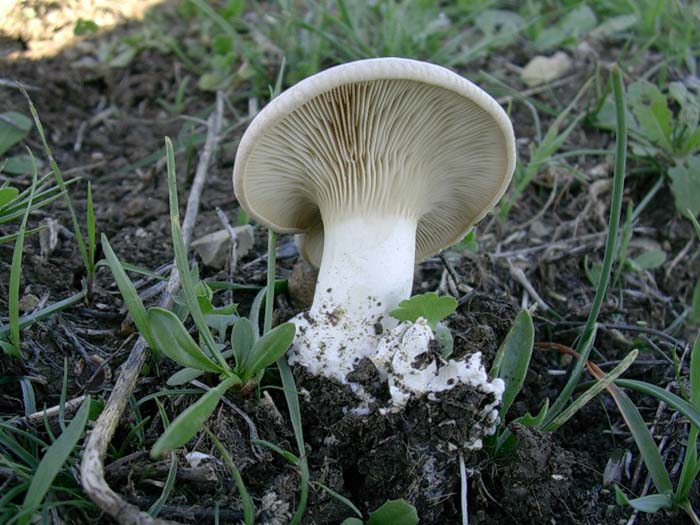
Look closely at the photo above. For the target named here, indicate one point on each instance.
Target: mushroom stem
(366, 270)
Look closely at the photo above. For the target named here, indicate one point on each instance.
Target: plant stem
(270, 292)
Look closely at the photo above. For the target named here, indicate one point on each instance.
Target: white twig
(463, 493)
(92, 465)
(520, 276)
(54, 410)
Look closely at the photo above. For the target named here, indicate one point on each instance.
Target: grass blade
(270, 293)
(46, 312)
(290, 394)
(696, 224)
(16, 267)
(59, 180)
(188, 287)
(54, 458)
(289, 386)
(246, 500)
(593, 391)
(255, 310)
(91, 236)
(345, 501)
(586, 342)
(129, 294)
(672, 400)
(291, 458)
(650, 504)
(155, 509)
(645, 442)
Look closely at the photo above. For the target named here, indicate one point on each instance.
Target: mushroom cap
(379, 136)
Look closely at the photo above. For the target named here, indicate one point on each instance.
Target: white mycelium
(399, 357)
(404, 358)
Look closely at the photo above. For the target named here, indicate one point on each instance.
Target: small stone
(214, 247)
(145, 207)
(542, 69)
(302, 285)
(196, 458)
(27, 302)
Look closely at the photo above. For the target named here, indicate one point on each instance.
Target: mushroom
(377, 163)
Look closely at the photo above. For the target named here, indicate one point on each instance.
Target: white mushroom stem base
(366, 271)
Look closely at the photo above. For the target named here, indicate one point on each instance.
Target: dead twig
(92, 466)
(520, 276)
(68, 406)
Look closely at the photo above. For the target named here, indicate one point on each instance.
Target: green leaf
(467, 244)
(290, 394)
(171, 338)
(9, 349)
(444, 337)
(576, 23)
(650, 504)
(84, 27)
(689, 115)
(52, 462)
(671, 399)
(685, 185)
(593, 270)
(654, 117)
(428, 305)
(184, 376)
(643, 438)
(342, 499)
(694, 375)
(394, 512)
(352, 521)
(13, 128)
(513, 358)
(7, 195)
(131, 297)
(694, 314)
(616, 24)
(233, 9)
(242, 340)
(692, 219)
(187, 424)
(20, 164)
(221, 318)
(535, 421)
(268, 349)
(649, 260)
(90, 232)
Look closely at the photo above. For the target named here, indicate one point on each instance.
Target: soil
(103, 122)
